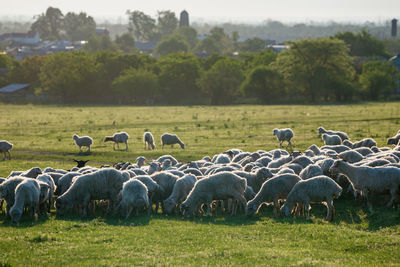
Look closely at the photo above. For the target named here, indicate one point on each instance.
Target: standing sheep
(171, 139)
(220, 186)
(366, 142)
(320, 189)
(121, 137)
(282, 135)
(7, 191)
(394, 140)
(81, 141)
(342, 135)
(331, 140)
(149, 140)
(5, 148)
(26, 195)
(180, 191)
(134, 195)
(271, 191)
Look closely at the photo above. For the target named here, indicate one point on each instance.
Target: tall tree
(126, 43)
(171, 44)
(79, 26)
(189, 34)
(100, 43)
(166, 23)
(142, 26)
(49, 25)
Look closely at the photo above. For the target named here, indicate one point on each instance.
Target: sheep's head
(44, 191)
(250, 209)
(391, 141)
(75, 136)
(264, 173)
(321, 130)
(182, 145)
(347, 143)
(108, 138)
(80, 163)
(338, 192)
(285, 210)
(140, 161)
(169, 205)
(62, 206)
(275, 131)
(334, 169)
(15, 215)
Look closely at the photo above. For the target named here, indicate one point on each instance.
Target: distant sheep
(171, 139)
(5, 148)
(81, 141)
(394, 140)
(320, 189)
(284, 135)
(148, 140)
(31, 173)
(121, 137)
(331, 140)
(26, 195)
(366, 142)
(342, 135)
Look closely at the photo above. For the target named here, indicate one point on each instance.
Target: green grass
(42, 136)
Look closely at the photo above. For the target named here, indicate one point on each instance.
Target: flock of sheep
(232, 181)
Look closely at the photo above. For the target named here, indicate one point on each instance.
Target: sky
(251, 11)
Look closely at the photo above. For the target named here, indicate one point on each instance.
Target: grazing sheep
(64, 183)
(320, 189)
(26, 195)
(272, 191)
(81, 163)
(366, 142)
(173, 160)
(1, 200)
(394, 140)
(134, 195)
(31, 173)
(171, 139)
(256, 179)
(181, 189)
(81, 141)
(342, 135)
(149, 140)
(220, 186)
(331, 140)
(102, 184)
(7, 191)
(121, 137)
(282, 135)
(151, 185)
(351, 156)
(5, 148)
(47, 179)
(166, 181)
(369, 179)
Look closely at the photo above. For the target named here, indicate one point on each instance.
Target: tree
(208, 45)
(6, 62)
(28, 70)
(142, 26)
(99, 43)
(363, 44)
(69, 75)
(166, 23)
(313, 66)
(253, 45)
(135, 86)
(171, 44)
(222, 81)
(265, 83)
(189, 34)
(378, 78)
(252, 60)
(177, 77)
(126, 43)
(50, 24)
(79, 26)
(235, 39)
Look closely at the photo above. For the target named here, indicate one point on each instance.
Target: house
(146, 47)
(28, 38)
(16, 92)
(102, 31)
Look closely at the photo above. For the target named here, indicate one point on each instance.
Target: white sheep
(320, 189)
(149, 140)
(5, 148)
(26, 195)
(366, 142)
(351, 156)
(121, 137)
(310, 171)
(255, 179)
(394, 140)
(134, 195)
(331, 140)
(171, 139)
(47, 200)
(31, 173)
(65, 182)
(272, 191)
(166, 181)
(369, 179)
(102, 184)
(220, 186)
(7, 191)
(181, 189)
(342, 135)
(81, 141)
(282, 135)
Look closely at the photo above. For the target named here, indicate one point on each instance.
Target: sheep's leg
(118, 145)
(80, 149)
(9, 155)
(329, 215)
(393, 193)
(128, 211)
(307, 208)
(4, 156)
(280, 144)
(126, 143)
(276, 207)
(208, 208)
(137, 211)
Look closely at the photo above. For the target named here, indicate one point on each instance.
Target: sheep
(65, 182)
(149, 140)
(181, 189)
(5, 148)
(342, 135)
(26, 195)
(121, 137)
(282, 135)
(311, 171)
(1, 200)
(220, 186)
(81, 141)
(331, 140)
(166, 181)
(256, 179)
(337, 149)
(44, 197)
(171, 139)
(102, 184)
(320, 189)
(351, 156)
(366, 142)
(134, 195)
(271, 191)
(47, 179)
(394, 140)
(81, 163)
(151, 185)
(7, 191)
(366, 179)
(171, 158)
(31, 173)
(365, 151)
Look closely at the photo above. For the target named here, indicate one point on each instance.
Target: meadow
(42, 136)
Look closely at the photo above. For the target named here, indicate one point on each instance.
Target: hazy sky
(233, 10)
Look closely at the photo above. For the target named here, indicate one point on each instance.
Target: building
(16, 92)
(102, 32)
(29, 38)
(184, 19)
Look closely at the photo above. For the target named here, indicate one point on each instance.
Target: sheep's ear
(86, 161)
(75, 160)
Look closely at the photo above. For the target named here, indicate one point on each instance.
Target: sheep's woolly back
(342, 135)
(171, 139)
(121, 137)
(331, 140)
(26, 194)
(135, 194)
(82, 140)
(7, 190)
(5, 146)
(283, 134)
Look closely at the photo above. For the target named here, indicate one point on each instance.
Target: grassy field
(42, 136)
